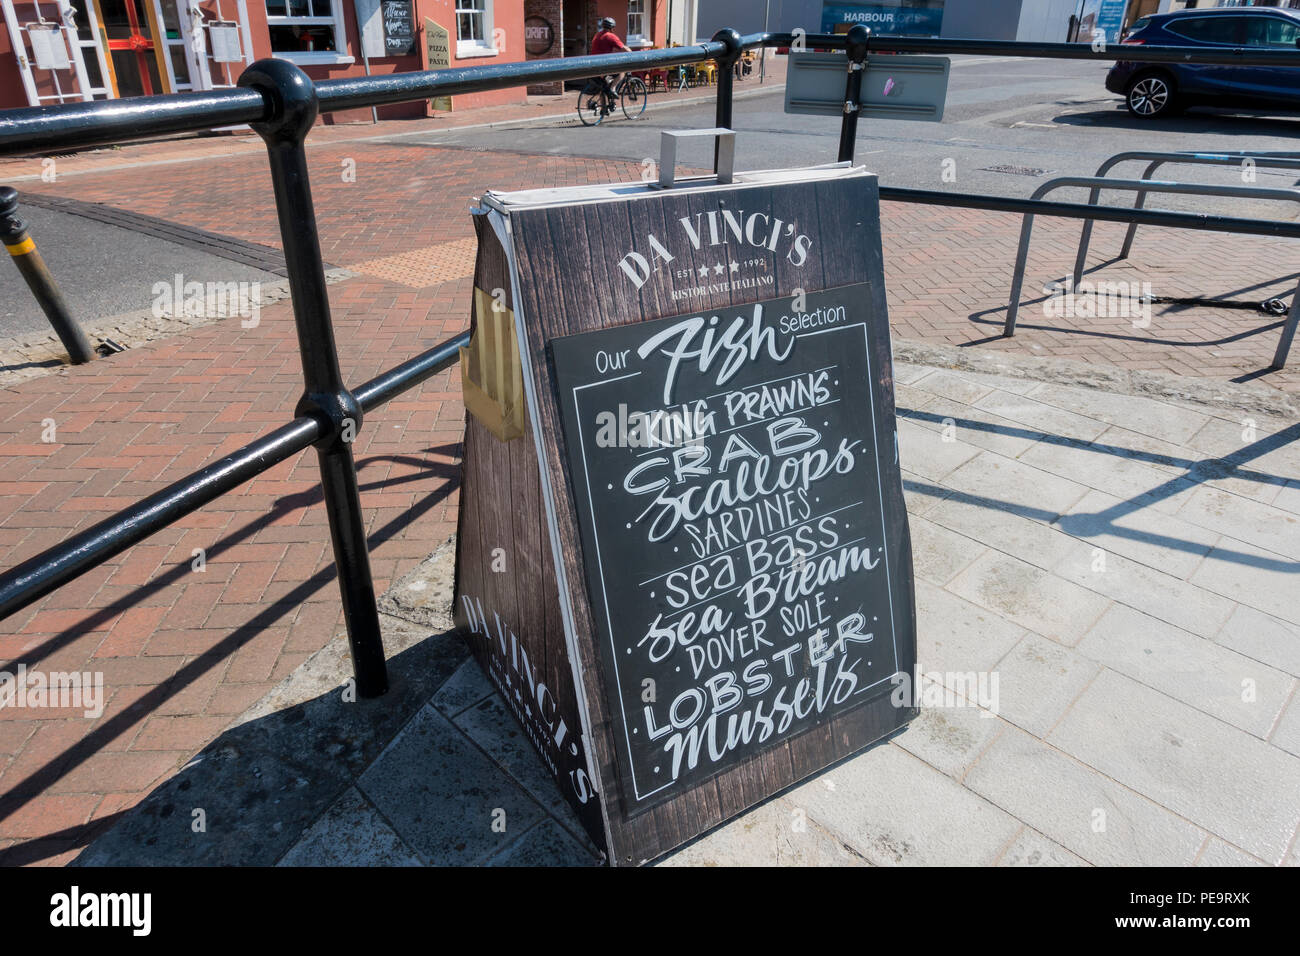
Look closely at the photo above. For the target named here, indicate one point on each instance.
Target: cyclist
(607, 41)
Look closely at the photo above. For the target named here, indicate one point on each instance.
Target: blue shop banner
(883, 18)
(1110, 19)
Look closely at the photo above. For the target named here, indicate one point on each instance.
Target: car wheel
(1151, 96)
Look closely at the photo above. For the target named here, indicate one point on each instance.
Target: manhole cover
(1015, 170)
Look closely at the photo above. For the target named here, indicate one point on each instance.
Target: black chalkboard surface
(399, 27)
(727, 469)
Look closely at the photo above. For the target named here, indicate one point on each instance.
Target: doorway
(130, 28)
(576, 41)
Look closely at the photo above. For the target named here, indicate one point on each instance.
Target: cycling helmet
(605, 23)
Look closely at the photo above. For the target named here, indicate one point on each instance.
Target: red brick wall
(11, 79)
(656, 16)
(553, 12)
(508, 27)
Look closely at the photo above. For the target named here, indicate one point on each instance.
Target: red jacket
(607, 41)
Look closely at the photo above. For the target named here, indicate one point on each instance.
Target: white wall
(1045, 21)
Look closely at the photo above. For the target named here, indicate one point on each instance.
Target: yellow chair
(707, 73)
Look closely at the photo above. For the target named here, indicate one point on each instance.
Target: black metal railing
(282, 103)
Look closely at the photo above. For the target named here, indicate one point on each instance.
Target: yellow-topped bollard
(13, 232)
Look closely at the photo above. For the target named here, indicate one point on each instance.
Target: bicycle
(597, 99)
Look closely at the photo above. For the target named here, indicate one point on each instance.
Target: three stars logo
(719, 269)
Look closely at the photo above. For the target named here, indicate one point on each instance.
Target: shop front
(907, 17)
(53, 51)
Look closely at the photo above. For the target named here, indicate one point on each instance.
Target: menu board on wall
(399, 27)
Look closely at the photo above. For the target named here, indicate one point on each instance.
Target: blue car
(1154, 90)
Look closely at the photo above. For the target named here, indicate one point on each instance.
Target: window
(307, 31)
(474, 28)
(636, 26)
(1208, 29)
(1272, 31)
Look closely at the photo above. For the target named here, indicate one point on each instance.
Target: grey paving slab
(976, 427)
(1112, 469)
(949, 739)
(928, 453)
(1161, 455)
(1148, 589)
(1288, 497)
(1038, 680)
(1162, 420)
(1004, 483)
(350, 833)
(953, 385)
(1007, 383)
(939, 554)
(776, 833)
(545, 844)
(1200, 673)
(1259, 524)
(490, 725)
(1031, 848)
(1287, 733)
(954, 634)
(1026, 538)
(921, 494)
(1273, 445)
(1218, 853)
(1267, 639)
(1246, 482)
(897, 810)
(907, 398)
(465, 688)
(1139, 530)
(1042, 416)
(446, 799)
(908, 374)
(1192, 468)
(1215, 775)
(1038, 600)
(1252, 576)
(1091, 816)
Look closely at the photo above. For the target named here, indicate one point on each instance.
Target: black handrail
(282, 103)
(1109, 52)
(37, 128)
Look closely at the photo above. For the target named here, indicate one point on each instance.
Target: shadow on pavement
(109, 728)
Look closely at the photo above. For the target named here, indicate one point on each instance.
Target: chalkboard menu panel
(399, 27)
(690, 579)
(725, 465)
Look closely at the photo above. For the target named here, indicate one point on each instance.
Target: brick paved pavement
(183, 651)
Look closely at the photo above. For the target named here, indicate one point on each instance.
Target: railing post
(13, 233)
(293, 103)
(726, 81)
(857, 53)
(1288, 333)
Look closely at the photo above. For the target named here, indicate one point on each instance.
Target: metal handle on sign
(726, 140)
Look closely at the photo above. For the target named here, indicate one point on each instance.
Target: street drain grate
(1015, 170)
